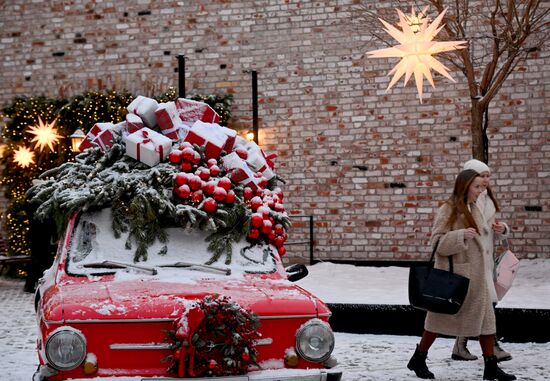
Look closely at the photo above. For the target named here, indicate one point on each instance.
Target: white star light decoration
(45, 134)
(23, 157)
(416, 49)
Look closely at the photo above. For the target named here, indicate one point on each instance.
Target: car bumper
(268, 375)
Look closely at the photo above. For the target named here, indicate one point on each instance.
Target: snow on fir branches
(145, 200)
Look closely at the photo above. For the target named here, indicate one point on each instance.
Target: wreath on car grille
(216, 337)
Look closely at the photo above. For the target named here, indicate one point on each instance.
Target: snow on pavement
(361, 357)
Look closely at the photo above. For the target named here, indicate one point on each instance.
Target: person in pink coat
(488, 205)
(459, 230)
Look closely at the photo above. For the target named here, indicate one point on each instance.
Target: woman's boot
(493, 372)
(417, 364)
(460, 351)
(500, 353)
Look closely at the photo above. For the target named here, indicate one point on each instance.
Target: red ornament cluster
(200, 183)
(264, 203)
(204, 183)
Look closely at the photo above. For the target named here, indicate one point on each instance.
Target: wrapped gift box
(177, 133)
(99, 135)
(208, 135)
(231, 136)
(144, 108)
(258, 161)
(239, 171)
(148, 146)
(167, 116)
(190, 111)
(133, 123)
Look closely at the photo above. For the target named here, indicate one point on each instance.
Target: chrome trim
(111, 321)
(293, 316)
(266, 341)
(161, 346)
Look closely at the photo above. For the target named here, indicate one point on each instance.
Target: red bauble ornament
(212, 364)
(278, 241)
(196, 158)
(214, 170)
(210, 205)
(281, 250)
(279, 229)
(225, 183)
(186, 166)
(254, 233)
(185, 145)
(243, 153)
(204, 173)
(271, 203)
(245, 356)
(182, 191)
(209, 187)
(271, 236)
(279, 207)
(264, 210)
(188, 154)
(220, 194)
(255, 203)
(180, 179)
(267, 228)
(256, 220)
(212, 162)
(174, 157)
(197, 196)
(248, 193)
(230, 198)
(195, 182)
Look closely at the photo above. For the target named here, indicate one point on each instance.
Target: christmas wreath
(215, 337)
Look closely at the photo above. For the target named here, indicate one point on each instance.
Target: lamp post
(181, 75)
(76, 138)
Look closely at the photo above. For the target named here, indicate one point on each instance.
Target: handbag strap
(450, 257)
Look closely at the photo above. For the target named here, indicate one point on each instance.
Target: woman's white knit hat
(477, 166)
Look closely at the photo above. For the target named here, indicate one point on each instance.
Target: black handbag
(437, 290)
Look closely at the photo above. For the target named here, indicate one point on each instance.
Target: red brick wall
(322, 108)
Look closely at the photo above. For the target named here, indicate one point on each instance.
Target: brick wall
(370, 167)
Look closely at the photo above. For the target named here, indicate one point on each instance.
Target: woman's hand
(469, 233)
(498, 227)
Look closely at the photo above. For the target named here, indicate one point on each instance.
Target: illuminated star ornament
(45, 134)
(23, 157)
(416, 49)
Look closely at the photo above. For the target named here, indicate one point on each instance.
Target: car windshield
(94, 250)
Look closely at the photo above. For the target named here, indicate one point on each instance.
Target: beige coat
(487, 207)
(476, 317)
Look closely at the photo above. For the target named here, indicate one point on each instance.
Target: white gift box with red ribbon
(190, 111)
(177, 133)
(148, 146)
(239, 172)
(133, 123)
(209, 135)
(101, 134)
(259, 161)
(144, 108)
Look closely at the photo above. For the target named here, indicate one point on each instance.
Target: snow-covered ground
(361, 357)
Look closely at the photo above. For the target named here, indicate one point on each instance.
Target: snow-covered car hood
(156, 299)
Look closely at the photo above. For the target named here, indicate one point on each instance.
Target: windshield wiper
(226, 271)
(120, 265)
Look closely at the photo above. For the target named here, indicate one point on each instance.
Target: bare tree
(500, 34)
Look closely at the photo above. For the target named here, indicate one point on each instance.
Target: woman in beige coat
(458, 229)
(488, 205)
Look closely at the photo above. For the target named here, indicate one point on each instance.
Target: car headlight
(65, 348)
(315, 341)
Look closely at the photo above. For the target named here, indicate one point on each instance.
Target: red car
(101, 314)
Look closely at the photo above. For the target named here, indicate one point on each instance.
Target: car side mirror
(296, 272)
